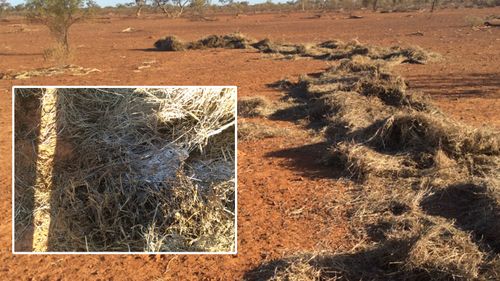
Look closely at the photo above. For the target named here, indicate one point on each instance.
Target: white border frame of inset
(129, 253)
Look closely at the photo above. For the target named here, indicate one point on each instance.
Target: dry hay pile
(426, 201)
(328, 50)
(228, 41)
(71, 69)
(137, 170)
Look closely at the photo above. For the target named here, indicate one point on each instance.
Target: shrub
(59, 16)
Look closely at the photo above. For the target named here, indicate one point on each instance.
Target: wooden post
(44, 168)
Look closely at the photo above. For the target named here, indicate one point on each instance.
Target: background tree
(199, 6)
(140, 5)
(303, 4)
(4, 5)
(59, 16)
(173, 8)
(434, 2)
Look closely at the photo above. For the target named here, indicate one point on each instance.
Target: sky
(104, 3)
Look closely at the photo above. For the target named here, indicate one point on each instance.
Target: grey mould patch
(160, 165)
(212, 171)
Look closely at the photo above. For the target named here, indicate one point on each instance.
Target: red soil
(287, 203)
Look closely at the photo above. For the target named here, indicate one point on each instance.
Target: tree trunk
(434, 2)
(138, 12)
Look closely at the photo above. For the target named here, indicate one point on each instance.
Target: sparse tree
(173, 8)
(303, 4)
(140, 5)
(4, 5)
(59, 16)
(199, 6)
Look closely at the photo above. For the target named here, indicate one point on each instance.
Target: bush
(59, 16)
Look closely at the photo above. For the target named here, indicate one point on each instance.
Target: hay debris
(429, 132)
(298, 270)
(70, 69)
(405, 157)
(327, 50)
(128, 183)
(446, 251)
(361, 162)
(228, 41)
(254, 107)
(248, 131)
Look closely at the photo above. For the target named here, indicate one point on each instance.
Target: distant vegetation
(190, 8)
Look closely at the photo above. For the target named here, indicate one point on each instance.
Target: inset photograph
(126, 170)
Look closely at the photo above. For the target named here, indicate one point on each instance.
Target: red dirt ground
(284, 207)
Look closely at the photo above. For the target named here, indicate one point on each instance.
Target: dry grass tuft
(298, 270)
(248, 131)
(254, 107)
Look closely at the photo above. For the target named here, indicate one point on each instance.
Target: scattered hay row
(427, 199)
(49, 71)
(141, 170)
(328, 50)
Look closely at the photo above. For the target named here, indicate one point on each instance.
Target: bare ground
(283, 208)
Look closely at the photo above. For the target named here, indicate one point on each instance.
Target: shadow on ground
(379, 263)
(472, 209)
(478, 85)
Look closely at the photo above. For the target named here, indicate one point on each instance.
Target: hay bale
(170, 43)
